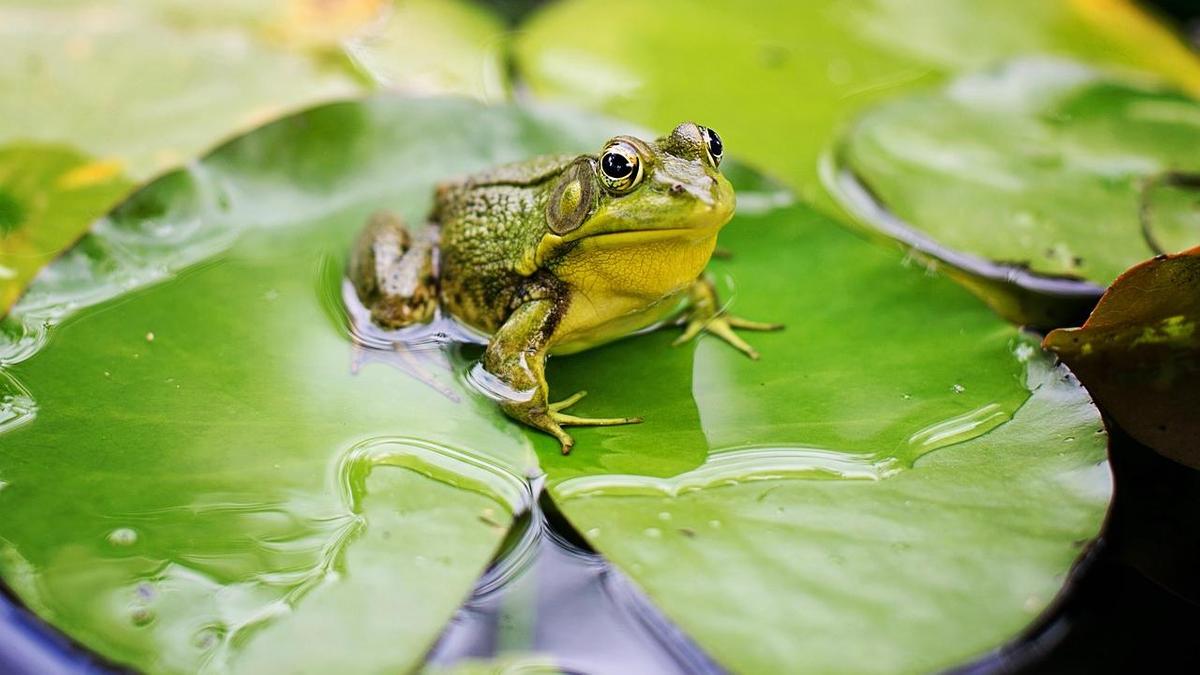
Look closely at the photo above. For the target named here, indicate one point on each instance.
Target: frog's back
(489, 221)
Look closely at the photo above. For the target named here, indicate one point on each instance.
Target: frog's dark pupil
(616, 165)
(715, 146)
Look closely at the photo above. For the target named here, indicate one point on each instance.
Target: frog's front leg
(516, 355)
(704, 313)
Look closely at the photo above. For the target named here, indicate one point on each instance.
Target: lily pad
(1045, 176)
(236, 466)
(1139, 354)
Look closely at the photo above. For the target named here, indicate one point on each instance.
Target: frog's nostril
(676, 188)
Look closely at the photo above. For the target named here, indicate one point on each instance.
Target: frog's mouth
(686, 235)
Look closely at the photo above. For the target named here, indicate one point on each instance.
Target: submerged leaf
(1139, 354)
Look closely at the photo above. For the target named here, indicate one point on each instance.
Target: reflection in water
(548, 595)
(420, 351)
(204, 595)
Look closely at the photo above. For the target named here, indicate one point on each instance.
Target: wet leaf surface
(1139, 354)
(259, 471)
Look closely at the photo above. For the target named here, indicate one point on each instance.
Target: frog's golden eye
(713, 145)
(621, 167)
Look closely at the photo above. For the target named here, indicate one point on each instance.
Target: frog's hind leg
(395, 271)
(705, 314)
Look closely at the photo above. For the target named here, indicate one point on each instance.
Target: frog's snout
(705, 193)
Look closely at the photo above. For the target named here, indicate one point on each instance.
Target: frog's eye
(713, 145)
(621, 167)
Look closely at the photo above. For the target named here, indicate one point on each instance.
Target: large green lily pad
(232, 476)
(1046, 174)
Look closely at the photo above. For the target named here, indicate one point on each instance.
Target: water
(552, 597)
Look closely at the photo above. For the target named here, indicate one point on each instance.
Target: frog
(559, 254)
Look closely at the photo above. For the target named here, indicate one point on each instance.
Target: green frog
(558, 254)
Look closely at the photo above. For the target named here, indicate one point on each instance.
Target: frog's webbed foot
(706, 315)
(551, 418)
(567, 419)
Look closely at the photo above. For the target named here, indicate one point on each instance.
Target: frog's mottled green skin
(553, 256)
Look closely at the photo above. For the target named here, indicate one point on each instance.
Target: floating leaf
(262, 468)
(1139, 354)
(1045, 177)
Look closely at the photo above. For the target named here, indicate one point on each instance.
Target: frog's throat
(553, 246)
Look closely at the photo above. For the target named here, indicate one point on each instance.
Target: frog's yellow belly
(622, 283)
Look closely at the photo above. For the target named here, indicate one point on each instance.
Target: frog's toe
(746, 324)
(568, 401)
(722, 329)
(576, 421)
(564, 439)
(692, 329)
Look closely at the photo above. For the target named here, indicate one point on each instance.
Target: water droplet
(593, 533)
(653, 532)
(954, 430)
(123, 536)
(663, 515)
(958, 388)
(150, 336)
(1024, 352)
(714, 523)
